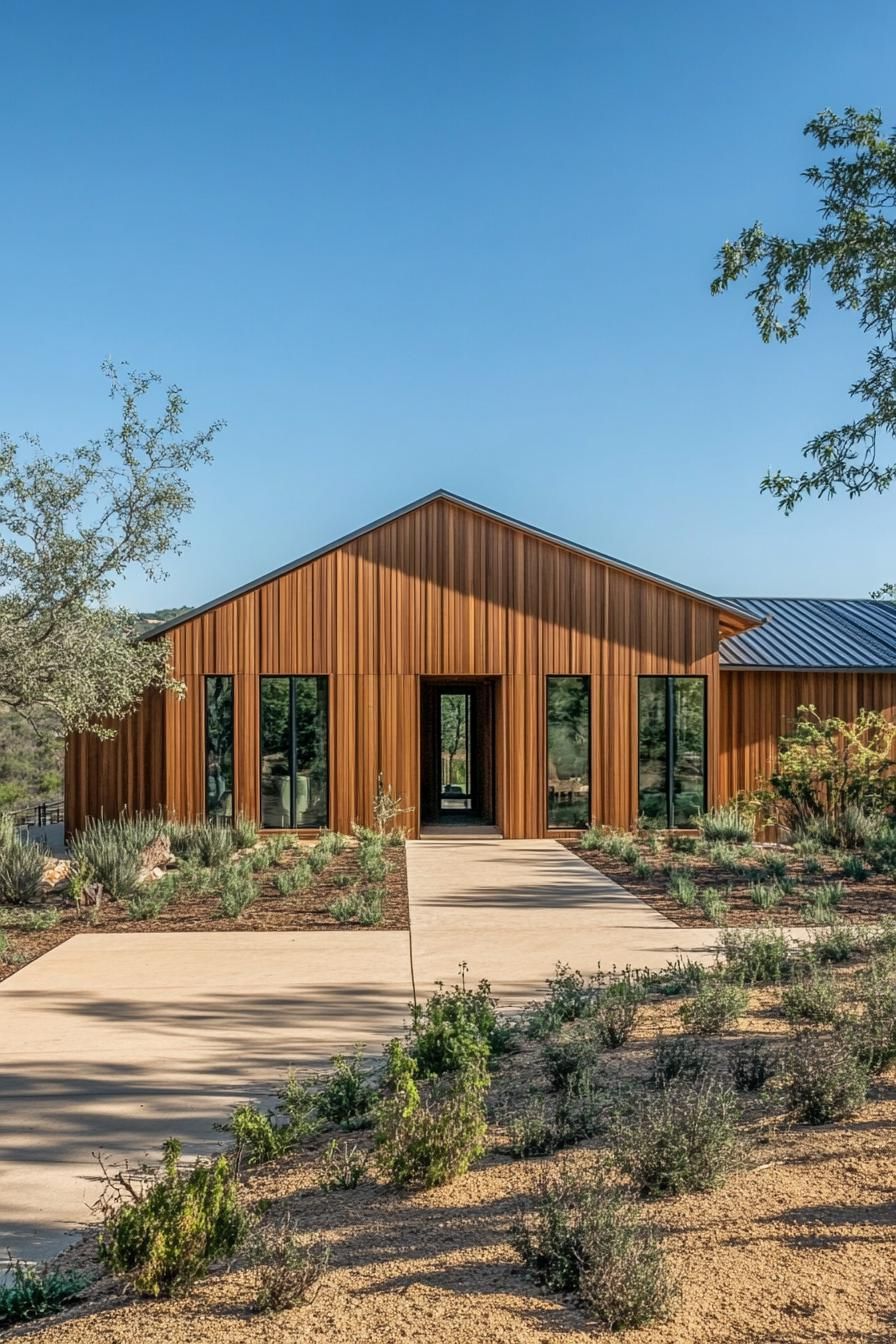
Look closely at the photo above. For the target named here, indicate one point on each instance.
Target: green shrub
(872, 1036)
(293, 879)
(346, 908)
(429, 1140)
(774, 866)
(814, 997)
(726, 857)
(245, 833)
(836, 942)
(853, 867)
(569, 997)
(343, 880)
(641, 870)
(567, 1059)
(765, 895)
(713, 904)
(752, 1065)
(318, 857)
(677, 977)
(591, 839)
(678, 1140)
(237, 891)
(615, 1013)
(757, 956)
(29, 1292)
(372, 864)
(825, 1080)
(147, 904)
(299, 1102)
(21, 871)
(342, 1166)
(30, 921)
(456, 1027)
(164, 1235)
(734, 822)
(347, 1097)
(811, 866)
(678, 1058)
(683, 844)
(287, 1268)
(110, 851)
(683, 889)
(716, 1005)
(208, 843)
(371, 905)
(258, 1136)
(533, 1131)
(584, 1235)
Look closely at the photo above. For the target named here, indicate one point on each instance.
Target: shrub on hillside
(716, 1005)
(428, 1140)
(164, 1234)
(825, 1079)
(678, 1140)
(584, 1235)
(287, 1267)
(456, 1026)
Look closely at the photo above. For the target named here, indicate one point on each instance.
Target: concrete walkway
(113, 1042)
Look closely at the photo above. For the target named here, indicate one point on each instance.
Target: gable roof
(834, 633)
(741, 619)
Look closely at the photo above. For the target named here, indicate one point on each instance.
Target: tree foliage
(854, 250)
(71, 526)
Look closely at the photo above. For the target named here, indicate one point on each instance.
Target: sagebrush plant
(825, 1079)
(347, 1096)
(677, 977)
(342, 1166)
(21, 870)
(583, 1234)
(835, 941)
(28, 1292)
(683, 889)
(678, 1140)
(236, 891)
(456, 1026)
(245, 832)
(287, 1267)
(678, 1058)
(110, 852)
(774, 866)
(872, 1035)
(765, 895)
(814, 997)
(568, 1058)
(716, 1006)
(853, 867)
(713, 904)
(734, 822)
(163, 1233)
(532, 1130)
(757, 956)
(615, 1013)
(427, 1138)
(365, 905)
(147, 904)
(752, 1064)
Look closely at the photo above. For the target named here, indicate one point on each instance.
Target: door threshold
(454, 830)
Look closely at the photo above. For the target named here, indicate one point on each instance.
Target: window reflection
(568, 755)
(294, 754)
(219, 748)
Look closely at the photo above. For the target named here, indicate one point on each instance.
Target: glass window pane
(219, 747)
(311, 789)
(276, 784)
(689, 755)
(454, 725)
(569, 741)
(652, 749)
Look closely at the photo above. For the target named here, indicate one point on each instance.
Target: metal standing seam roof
(834, 633)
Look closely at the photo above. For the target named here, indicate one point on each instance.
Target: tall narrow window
(569, 751)
(294, 755)
(219, 748)
(672, 748)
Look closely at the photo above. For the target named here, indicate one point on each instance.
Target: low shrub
(569, 997)
(727, 858)
(584, 1235)
(331, 842)
(683, 889)
(428, 1141)
(287, 1267)
(677, 977)
(258, 1136)
(347, 1097)
(825, 1079)
(293, 879)
(30, 921)
(299, 1102)
(366, 906)
(245, 833)
(21, 870)
(28, 1292)
(733, 822)
(163, 1234)
(110, 851)
(569, 1058)
(716, 1005)
(752, 1064)
(774, 866)
(853, 867)
(580, 1110)
(455, 1027)
(642, 870)
(713, 904)
(683, 844)
(814, 997)
(811, 866)
(237, 891)
(318, 857)
(757, 956)
(679, 1140)
(835, 942)
(678, 1058)
(615, 1013)
(372, 864)
(533, 1131)
(147, 904)
(872, 1035)
(342, 1166)
(592, 838)
(765, 895)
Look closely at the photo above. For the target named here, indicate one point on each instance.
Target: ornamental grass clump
(584, 1235)
(21, 869)
(164, 1233)
(679, 1139)
(683, 889)
(734, 822)
(110, 852)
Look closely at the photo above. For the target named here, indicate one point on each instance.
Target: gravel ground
(796, 1247)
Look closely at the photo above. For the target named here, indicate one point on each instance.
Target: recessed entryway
(457, 753)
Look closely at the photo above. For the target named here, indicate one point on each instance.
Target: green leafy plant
(615, 1013)
(679, 1139)
(814, 997)
(293, 879)
(347, 1097)
(287, 1267)
(428, 1140)
(30, 921)
(853, 867)
(342, 1166)
(584, 1235)
(872, 1036)
(677, 1058)
(757, 956)
(532, 1131)
(774, 866)
(733, 822)
(713, 904)
(258, 1136)
(28, 1292)
(752, 1064)
(835, 942)
(237, 891)
(825, 1079)
(147, 904)
(683, 889)
(372, 864)
(765, 895)
(567, 1059)
(245, 833)
(21, 869)
(455, 1027)
(716, 1006)
(164, 1233)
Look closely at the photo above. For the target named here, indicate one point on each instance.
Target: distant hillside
(147, 619)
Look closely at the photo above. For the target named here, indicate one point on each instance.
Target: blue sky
(407, 245)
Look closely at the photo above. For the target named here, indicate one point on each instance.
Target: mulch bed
(862, 901)
(191, 912)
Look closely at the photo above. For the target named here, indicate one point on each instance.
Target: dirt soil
(193, 912)
(796, 1247)
(863, 902)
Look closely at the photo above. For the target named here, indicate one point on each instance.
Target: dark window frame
(588, 680)
(670, 739)
(219, 676)
(292, 678)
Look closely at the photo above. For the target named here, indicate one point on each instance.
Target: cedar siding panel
(440, 591)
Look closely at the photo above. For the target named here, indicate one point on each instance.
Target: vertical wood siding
(441, 591)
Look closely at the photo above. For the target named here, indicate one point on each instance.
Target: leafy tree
(854, 249)
(70, 527)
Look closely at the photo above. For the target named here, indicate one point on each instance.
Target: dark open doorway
(457, 766)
